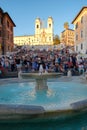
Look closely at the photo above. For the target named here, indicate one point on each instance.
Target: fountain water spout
(69, 73)
(40, 78)
(41, 70)
(19, 74)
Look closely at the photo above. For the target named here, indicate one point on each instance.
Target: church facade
(43, 35)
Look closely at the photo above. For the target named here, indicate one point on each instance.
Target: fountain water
(69, 73)
(41, 70)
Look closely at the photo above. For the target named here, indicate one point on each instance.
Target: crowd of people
(51, 60)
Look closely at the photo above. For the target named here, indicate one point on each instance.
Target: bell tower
(50, 29)
(37, 26)
(50, 24)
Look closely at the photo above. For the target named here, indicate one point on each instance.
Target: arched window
(50, 25)
(37, 26)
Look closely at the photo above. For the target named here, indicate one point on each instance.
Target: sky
(24, 13)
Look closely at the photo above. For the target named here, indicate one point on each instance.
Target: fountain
(40, 78)
(58, 99)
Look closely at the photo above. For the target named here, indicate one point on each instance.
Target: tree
(56, 40)
(66, 25)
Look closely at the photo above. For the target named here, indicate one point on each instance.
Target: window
(81, 34)
(8, 35)
(11, 37)
(76, 37)
(82, 19)
(0, 33)
(76, 25)
(49, 38)
(37, 26)
(8, 24)
(49, 25)
(11, 28)
(81, 46)
(0, 20)
(76, 48)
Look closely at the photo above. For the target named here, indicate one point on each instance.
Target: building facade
(67, 37)
(80, 26)
(6, 32)
(43, 35)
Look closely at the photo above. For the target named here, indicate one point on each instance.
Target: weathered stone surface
(41, 79)
(38, 76)
(20, 109)
(79, 105)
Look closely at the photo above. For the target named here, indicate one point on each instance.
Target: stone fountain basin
(40, 76)
(17, 112)
(33, 113)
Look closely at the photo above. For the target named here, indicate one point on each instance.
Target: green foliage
(56, 40)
